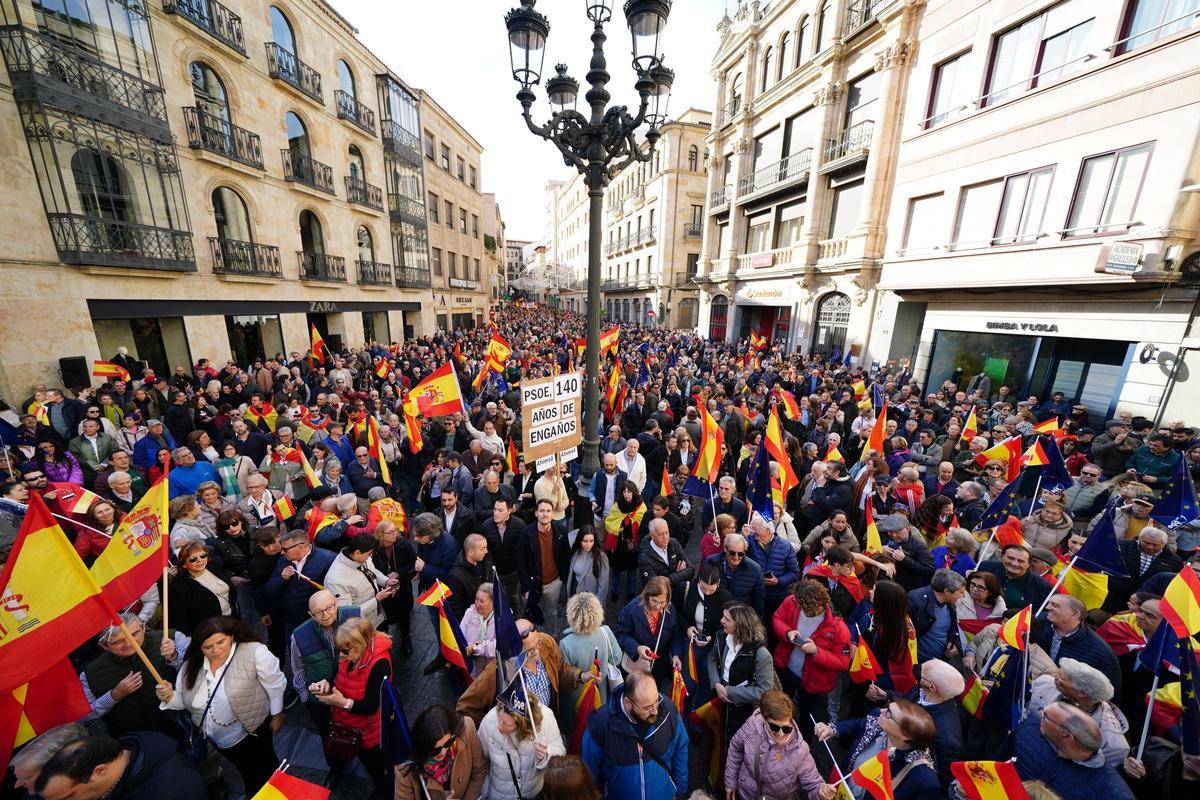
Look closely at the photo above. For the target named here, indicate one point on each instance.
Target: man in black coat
(541, 583)
(1019, 586)
(364, 473)
(1061, 632)
(457, 519)
(914, 562)
(969, 505)
(633, 418)
(660, 508)
(140, 766)
(1144, 557)
(659, 554)
(471, 569)
(931, 609)
(832, 491)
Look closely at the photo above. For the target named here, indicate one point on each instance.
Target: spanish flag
(692, 670)
(875, 776)
(614, 380)
(665, 488)
(1035, 456)
(616, 520)
(283, 786)
(1008, 451)
(973, 696)
(318, 520)
(310, 474)
(757, 341)
(107, 369)
(51, 698)
(307, 428)
(874, 543)
(451, 641)
(435, 595)
(133, 559)
(510, 456)
(264, 413)
(608, 341)
(318, 348)
(386, 508)
(859, 388)
(791, 408)
(1180, 604)
(678, 690)
(498, 350)
(708, 458)
(412, 425)
(878, 433)
(382, 369)
(439, 394)
(1009, 532)
(989, 780)
(864, 667)
(970, 427)
(375, 448)
(773, 440)
(51, 603)
(284, 508)
(1050, 426)
(1122, 634)
(1014, 632)
(710, 718)
(587, 702)
(835, 455)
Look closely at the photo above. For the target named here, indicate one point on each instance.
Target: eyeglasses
(734, 554)
(292, 546)
(196, 558)
(994, 469)
(786, 730)
(1091, 474)
(526, 634)
(443, 747)
(982, 586)
(35, 477)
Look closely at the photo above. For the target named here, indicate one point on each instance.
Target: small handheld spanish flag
(435, 595)
(284, 508)
(666, 490)
(510, 456)
(318, 346)
(1014, 632)
(864, 668)
(383, 368)
(875, 776)
(107, 369)
(679, 690)
(989, 780)
(283, 786)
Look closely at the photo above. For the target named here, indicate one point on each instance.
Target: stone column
(208, 338)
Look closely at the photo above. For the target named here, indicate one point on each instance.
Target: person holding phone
(356, 581)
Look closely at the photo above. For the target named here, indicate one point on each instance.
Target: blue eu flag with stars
(1177, 506)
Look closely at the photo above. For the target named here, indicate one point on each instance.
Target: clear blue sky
(457, 50)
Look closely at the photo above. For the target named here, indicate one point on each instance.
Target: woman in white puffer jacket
(511, 747)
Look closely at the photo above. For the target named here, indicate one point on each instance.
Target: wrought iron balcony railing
(284, 65)
(720, 198)
(321, 267)
(348, 108)
(373, 273)
(407, 209)
(81, 239)
(300, 168)
(412, 278)
(860, 13)
(212, 18)
(234, 257)
(400, 141)
(852, 141)
(364, 194)
(694, 230)
(783, 171)
(212, 133)
(34, 56)
(730, 111)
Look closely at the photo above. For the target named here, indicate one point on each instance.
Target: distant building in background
(654, 221)
(514, 259)
(495, 251)
(567, 236)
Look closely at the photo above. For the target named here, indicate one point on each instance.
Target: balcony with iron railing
(321, 267)
(406, 209)
(644, 236)
(212, 18)
(212, 133)
(720, 198)
(362, 193)
(693, 230)
(373, 273)
(729, 111)
(401, 142)
(860, 13)
(349, 109)
(299, 168)
(86, 240)
(251, 259)
(786, 171)
(850, 145)
(39, 64)
(283, 65)
(412, 278)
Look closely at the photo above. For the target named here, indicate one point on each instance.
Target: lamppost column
(591, 395)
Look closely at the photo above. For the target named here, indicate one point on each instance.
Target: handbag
(343, 742)
(194, 743)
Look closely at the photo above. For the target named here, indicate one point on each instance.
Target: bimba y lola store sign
(1024, 327)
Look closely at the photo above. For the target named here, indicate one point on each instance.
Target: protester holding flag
(903, 732)
(448, 759)
(226, 664)
(768, 757)
(518, 747)
(646, 629)
(1061, 746)
(586, 640)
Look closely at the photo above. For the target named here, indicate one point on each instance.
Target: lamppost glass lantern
(647, 19)
(562, 89)
(660, 96)
(599, 10)
(527, 32)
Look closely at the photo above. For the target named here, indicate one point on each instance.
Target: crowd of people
(700, 623)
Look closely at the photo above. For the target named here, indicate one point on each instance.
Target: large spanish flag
(608, 341)
(989, 780)
(133, 559)
(107, 369)
(710, 717)
(439, 394)
(708, 459)
(874, 542)
(318, 346)
(778, 450)
(283, 786)
(49, 602)
(499, 350)
(53, 697)
(614, 381)
(1181, 603)
(875, 776)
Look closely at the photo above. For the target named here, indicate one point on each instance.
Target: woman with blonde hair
(586, 639)
(518, 749)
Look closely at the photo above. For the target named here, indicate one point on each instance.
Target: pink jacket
(782, 770)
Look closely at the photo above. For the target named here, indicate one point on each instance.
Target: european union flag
(758, 493)
(1004, 701)
(1189, 676)
(672, 359)
(1006, 504)
(11, 437)
(508, 638)
(877, 395)
(1100, 551)
(394, 738)
(643, 378)
(698, 487)
(1054, 472)
(1177, 506)
(1161, 651)
(644, 347)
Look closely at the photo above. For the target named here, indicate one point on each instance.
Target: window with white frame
(1147, 21)
(1040, 49)
(758, 233)
(976, 218)
(950, 91)
(1107, 193)
(925, 226)
(1023, 206)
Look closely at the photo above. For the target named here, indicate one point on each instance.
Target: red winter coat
(833, 647)
(352, 683)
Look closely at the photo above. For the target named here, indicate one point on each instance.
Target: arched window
(102, 186)
(358, 168)
(833, 320)
(693, 159)
(346, 78)
(768, 65)
(281, 30)
(312, 240)
(825, 27)
(297, 135)
(718, 318)
(802, 40)
(209, 92)
(366, 245)
(783, 56)
(232, 218)
(735, 91)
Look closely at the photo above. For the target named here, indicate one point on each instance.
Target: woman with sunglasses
(448, 759)
(994, 478)
(769, 758)
(906, 731)
(364, 661)
(198, 591)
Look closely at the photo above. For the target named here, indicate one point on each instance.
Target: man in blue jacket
(1062, 748)
(636, 746)
(777, 558)
(741, 575)
(287, 587)
(145, 452)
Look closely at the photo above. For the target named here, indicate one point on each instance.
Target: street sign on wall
(551, 415)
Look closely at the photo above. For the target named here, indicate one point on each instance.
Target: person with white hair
(1086, 688)
(27, 763)
(1146, 556)
(940, 686)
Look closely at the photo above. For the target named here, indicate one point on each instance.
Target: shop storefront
(770, 309)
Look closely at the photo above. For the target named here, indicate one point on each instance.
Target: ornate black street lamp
(599, 144)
